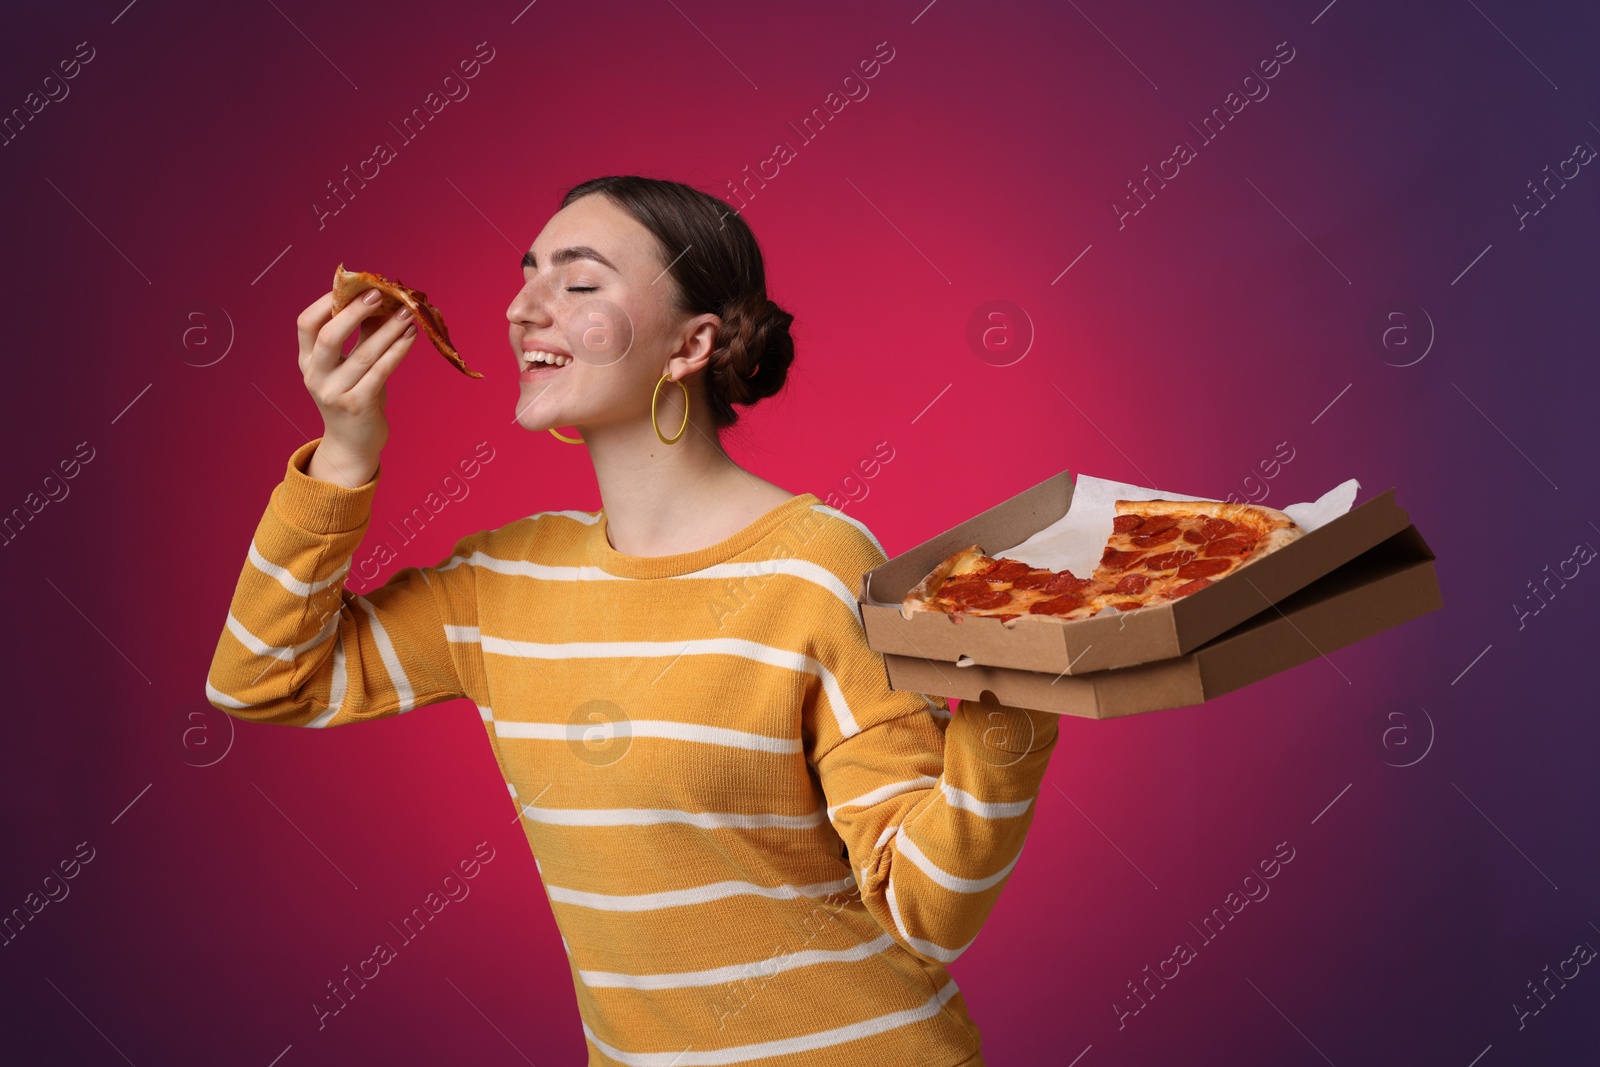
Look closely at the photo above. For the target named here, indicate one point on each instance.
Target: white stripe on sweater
(706, 820)
(335, 692)
(700, 894)
(677, 731)
(927, 948)
(884, 792)
(726, 646)
(735, 972)
(336, 687)
(783, 1046)
(526, 568)
(857, 523)
(391, 662)
(287, 579)
(796, 568)
(287, 653)
(217, 696)
(582, 516)
(960, 798)
(953, 882)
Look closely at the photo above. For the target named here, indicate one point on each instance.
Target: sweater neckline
(625, 566)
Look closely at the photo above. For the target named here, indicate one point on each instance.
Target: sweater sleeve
(932, 805)
(299, 649)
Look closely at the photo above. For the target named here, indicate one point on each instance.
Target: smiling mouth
(533, 359)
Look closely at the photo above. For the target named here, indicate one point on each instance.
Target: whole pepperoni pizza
(1158, 551)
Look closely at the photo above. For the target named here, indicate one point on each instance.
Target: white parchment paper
(1076, 540)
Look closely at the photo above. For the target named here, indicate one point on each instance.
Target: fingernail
(373, 296)
(403, 314)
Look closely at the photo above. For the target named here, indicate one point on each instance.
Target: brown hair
(717, 269)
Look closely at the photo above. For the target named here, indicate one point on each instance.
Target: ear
(698, 341)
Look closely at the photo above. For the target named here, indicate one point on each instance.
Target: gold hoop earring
(568, 440)
(673, 439)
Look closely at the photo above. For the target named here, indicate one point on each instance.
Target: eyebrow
(567, 255)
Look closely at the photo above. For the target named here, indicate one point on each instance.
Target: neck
(661, 499)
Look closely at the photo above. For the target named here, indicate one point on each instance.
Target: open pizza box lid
(1378, 590)
(1109, 639)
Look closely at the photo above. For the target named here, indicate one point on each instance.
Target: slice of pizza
(1158, 551)
(1161, 550)
(349, 284)
(971, 583)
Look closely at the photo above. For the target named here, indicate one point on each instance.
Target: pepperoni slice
(1057, 605)
(1214, 527)
(1189, 587)
(1156, 523)
(1194, 537)
(1127, 605)
(1115, 560)
(1229, 546)
(1168, 560)
(989, 598)
(1126, 523)
(974, 595)
(961, 588)
(1065, 582)
(1151, 540)
(1005, 570)
(1204, 568)
(1034, 579)
(1132, 584)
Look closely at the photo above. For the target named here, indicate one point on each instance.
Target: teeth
(534, 356)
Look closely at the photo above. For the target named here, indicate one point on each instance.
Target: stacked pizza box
(1350, 571)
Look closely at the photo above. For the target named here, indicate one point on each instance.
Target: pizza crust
(1260, 518)
(918, 599)
(348, 284)
(1273, 540)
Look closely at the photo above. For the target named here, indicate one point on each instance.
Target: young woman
(756, 851)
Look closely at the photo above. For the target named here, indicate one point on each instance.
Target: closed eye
(581, 288)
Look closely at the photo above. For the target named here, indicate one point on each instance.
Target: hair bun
(754, 348)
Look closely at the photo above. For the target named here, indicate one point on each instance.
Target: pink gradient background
(182, 167)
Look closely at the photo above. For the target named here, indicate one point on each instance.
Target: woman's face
(596, 293)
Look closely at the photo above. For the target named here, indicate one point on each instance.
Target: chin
(539, 422)
(534, 424)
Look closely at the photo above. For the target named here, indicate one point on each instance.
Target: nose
(531, 304)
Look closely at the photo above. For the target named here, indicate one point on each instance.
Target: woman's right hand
(349, 390)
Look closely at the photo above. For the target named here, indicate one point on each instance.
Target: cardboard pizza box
(1383, 587)
(1109, 639)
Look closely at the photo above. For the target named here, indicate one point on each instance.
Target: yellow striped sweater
(756, 851)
